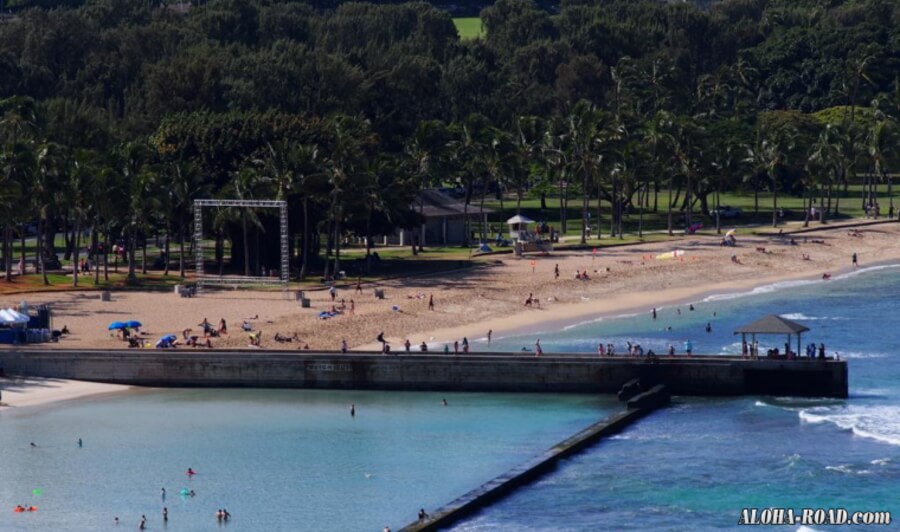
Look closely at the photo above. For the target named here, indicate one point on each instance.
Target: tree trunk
(337, 247)
(599, 221)
(669, 204)
(543, 202)
(890, 179)
(106, 256)
(94, 248)
(132, 252)
(369, 240)
(718, 213)
(305, 264)
(246, 243)
(755, 199)
(774, 201)
(181, 271)
(641, 197)
(144, 256)
(166, 255)
(40, 254)
(75, 264)
(585, 205)
(22, 253)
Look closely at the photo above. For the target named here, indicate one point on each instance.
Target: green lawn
(469, 27)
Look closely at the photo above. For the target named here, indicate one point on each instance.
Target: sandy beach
(489, 297)
(33, 391)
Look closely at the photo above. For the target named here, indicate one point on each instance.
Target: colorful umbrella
(132, 324)
(116, 325)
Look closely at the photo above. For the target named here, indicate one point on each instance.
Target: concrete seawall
(513, 372)
(501, 486)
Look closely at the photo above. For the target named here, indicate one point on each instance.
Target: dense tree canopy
(614, 96)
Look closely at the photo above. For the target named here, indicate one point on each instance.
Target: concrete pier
(522, 475)
(510, 372)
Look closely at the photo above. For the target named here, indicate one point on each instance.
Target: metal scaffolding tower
(207, 280)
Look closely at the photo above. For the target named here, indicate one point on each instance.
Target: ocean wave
(782, 285)
(802, 316)
(881, 461)
(804, 528)
(880, 423)
(764, 289)
(860, 271)
(858, 355)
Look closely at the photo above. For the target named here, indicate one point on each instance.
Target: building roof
(434, 203)
(519, 219)
(772, 324)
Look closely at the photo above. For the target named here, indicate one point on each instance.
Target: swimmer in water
(116, 520)
(162, 493)
(352, 410)
(190, 472)
(444, 402)
(165, 515)
(80, 443)
(225, 515)
(191, 493)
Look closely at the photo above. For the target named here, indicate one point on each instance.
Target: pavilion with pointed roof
(773, 324)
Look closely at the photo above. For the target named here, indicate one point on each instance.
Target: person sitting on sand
(246, 327)
(826, 276)
(423, 347)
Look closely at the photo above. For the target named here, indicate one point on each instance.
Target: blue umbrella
(169, 338)
(116, 325)
(131, 324)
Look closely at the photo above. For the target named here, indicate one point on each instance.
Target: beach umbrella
(169, 338)
(116, 325)
(132, 324)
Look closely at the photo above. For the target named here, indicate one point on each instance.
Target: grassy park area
(469, 27)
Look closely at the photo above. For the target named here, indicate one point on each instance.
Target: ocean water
(697, 464)
(278, 460)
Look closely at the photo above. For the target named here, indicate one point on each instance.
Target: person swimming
(33, 445)
(165, 515)
(190, 472)
(352, 410)
(444, 402)
(80, 443)
(162, 493)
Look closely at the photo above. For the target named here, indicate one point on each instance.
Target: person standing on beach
(358, 285)
(465, 344)
(343, 345)
(455, 347)
(556, 271)
(490, 332)
(333, 292)
(430, 301)
(855, 261)
(688, 347)
(407, 344)
(537, 348)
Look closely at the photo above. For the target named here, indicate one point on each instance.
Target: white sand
(30, 391)
(470, 302)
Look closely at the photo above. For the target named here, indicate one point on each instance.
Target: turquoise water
(276, 459)
(696, 465)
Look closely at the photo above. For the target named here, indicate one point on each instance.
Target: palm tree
(17, 125)
(768, 155)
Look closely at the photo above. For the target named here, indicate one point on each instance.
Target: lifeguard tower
(525, 240)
